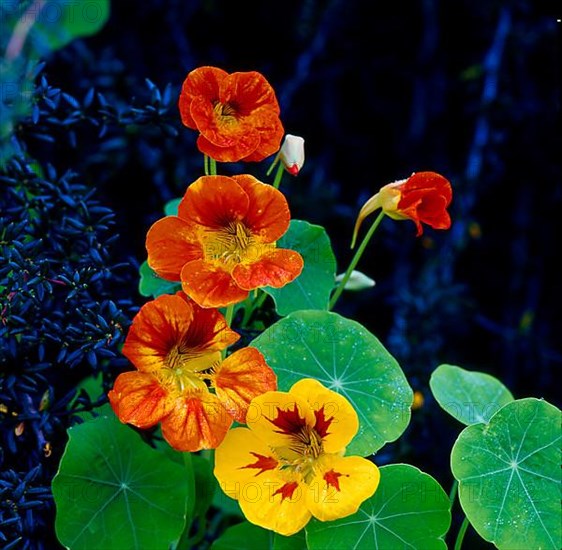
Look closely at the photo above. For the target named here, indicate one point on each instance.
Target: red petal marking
(293, 170)
(322, 423)
(287, 490)
(263, 463)
(331, 478)
(289, 422)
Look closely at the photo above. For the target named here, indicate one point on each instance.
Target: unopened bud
(357, 281)
(292, 154)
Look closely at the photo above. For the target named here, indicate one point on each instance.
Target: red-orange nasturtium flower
(221, 244)
(422, 198)
(288, 464)
(237, 115)
(176, 347)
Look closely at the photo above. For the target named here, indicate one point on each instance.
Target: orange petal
(213, 202)
(268, 213)
(208, 331)
(340, 485)
(336, 420)
(138, 399)
(224, 131)
(271, 133)
(170, 244)
(276, 269)
(201, 82)
(198, 421)
(158, 326)
(210, 285)
(249, 91)
(428, 181)
(239, 150)
(242, 376)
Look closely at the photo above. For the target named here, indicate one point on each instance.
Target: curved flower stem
(206, 165)
(278, 175)
(460, 536)
(256, 303)
(355, 260)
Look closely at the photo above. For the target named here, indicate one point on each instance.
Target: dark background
(378, 90)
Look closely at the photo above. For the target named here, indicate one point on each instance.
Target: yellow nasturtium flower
(289, 465)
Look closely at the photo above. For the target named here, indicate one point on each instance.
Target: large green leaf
(312, 288)
(244, 535)
(345, 357)
(113, 491)
(251, 537)
(471, 397)
(408, 510)
(509, 475)
(152, 286)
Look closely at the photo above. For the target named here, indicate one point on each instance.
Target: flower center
(231, 245)
(187, 369)
(225, 110)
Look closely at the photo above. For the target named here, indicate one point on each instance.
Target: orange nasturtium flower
(221, 244)
(237, 115)
(176, 347)
(288, 464)
(422, 198)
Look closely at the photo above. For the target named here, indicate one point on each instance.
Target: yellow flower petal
(249, 472)
(336, 421)
(340, 485)
(276, 417)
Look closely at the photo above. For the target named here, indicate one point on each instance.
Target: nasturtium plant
(114, 491)
(470, 397)
(509, 475)
(345, 357)
(408, 510)
(312, 289)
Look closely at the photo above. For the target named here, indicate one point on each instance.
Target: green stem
(278, 175)
(355, 260)
(229, 314)
(270, 169)
(256, 304)
(212, 166)
(460, 536)
(206, 165)
(453, 493)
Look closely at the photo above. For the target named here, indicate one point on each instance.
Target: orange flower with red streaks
(181, 380)
(288, 464)
(237, 115)
(221, 244)
(422, 198)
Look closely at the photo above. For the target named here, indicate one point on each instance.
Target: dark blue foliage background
(378, 90)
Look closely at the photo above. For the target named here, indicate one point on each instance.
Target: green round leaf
(345, 357)
(471, 397)
(408, 510)
(59, 22)
(152, 286)
(509, 475)
(244, 535)
(113, 491)
(312, 288)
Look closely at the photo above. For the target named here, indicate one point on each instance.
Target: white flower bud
(292, 154)
(357, 281)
